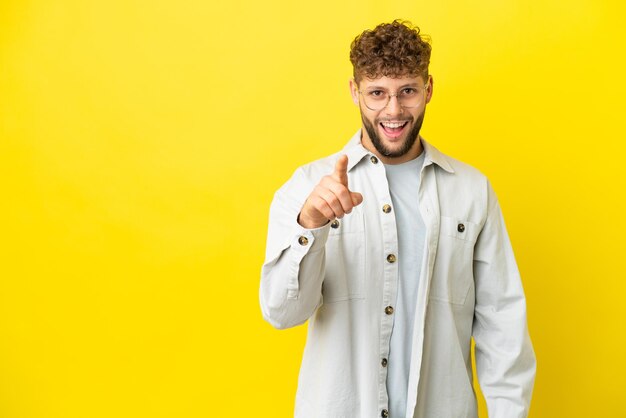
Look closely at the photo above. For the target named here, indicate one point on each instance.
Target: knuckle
(343, 193)
(319, 205)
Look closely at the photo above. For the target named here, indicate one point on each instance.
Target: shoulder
(463, 171)
(464, 191)
(305, 177)
(452, 169)
(317, 169)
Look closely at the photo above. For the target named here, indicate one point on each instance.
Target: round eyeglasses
(378, 99)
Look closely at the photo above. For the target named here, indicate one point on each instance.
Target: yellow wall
(141, 143)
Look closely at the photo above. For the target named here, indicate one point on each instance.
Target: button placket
(390, 275)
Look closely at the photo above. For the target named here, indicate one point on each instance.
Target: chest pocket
(453, 275)
(345, 259)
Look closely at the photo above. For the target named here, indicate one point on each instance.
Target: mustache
(409, 119)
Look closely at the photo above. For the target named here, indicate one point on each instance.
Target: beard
(408, 142)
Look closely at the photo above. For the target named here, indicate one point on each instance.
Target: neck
(414, 152)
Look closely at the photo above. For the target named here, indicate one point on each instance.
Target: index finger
(341, 170)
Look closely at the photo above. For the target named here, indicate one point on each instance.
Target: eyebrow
(401, 87)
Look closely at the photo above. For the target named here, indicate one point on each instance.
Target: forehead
(390, 82)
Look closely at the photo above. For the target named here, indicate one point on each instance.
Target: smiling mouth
(393, 129)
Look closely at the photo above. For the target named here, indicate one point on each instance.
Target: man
(397, 255)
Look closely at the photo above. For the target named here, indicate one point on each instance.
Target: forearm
(505, 361)
(291, 282)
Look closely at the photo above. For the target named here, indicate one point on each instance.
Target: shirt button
(384, 413)
(386, 208)
(460, 228)
(303, 240)
(391, 258)
(334, 224)
(389, 310)
(374, 160)
(384, 362)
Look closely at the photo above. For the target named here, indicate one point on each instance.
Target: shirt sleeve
(505, 360)
(293, 272)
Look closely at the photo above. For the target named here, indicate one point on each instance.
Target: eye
(376, 94)
(408, 91)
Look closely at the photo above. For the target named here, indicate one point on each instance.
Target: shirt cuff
(309, 240)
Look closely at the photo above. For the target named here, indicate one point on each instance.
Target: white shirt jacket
(343, 279)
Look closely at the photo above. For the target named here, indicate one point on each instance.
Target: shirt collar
(356, 152)
(433, 155)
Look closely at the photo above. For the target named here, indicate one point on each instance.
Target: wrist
(307, 223)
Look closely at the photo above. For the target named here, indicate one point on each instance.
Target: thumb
(357, 198)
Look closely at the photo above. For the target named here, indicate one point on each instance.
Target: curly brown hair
(393, 49)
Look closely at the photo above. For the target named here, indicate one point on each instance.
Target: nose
(394, 107)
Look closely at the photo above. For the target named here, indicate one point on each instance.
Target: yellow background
(141, 143)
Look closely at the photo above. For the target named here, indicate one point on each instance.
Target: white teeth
(393, 124)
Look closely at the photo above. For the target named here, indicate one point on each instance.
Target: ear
(354, 91)
(429, 90)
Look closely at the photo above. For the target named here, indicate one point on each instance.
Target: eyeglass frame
(393, 95)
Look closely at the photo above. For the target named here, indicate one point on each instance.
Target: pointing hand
(330, 199)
